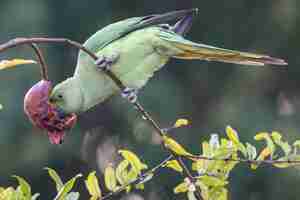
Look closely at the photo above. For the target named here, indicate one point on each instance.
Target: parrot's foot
(104, 62)
(129, 94)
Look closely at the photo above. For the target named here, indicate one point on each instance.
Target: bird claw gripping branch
(45, 115)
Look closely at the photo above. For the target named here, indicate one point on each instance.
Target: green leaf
(133, 160)
(8, 194)
(92, 185)
(211, 181)
(55, 177)
(72, 196)
(110, 178)
(233, 136)
(206, 149)
(218, 193)
(223, 152)
(131, 175)
(191, 196)
(173, 164)
(262, 156)
(276, 136)
(204, 190)
(182, 187)
(289, 161)
(175, 147)
(121, 172)
(35, 196)
(181, 122)
(251, 151)
(24, 187)
(67, 187)
(4, 64)
(140, 186)
(297, 144)
(270, 144)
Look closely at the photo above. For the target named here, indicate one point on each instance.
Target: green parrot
(133, 49)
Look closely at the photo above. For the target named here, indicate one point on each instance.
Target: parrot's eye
(60, 96)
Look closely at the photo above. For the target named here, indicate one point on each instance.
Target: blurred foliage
(213, 167)
(211, 94)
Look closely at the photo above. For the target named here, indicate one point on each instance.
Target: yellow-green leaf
(204, 190)
(223, 152)
(262, 156)
(297, 144)
(67, 187)
(55, 177)
(212, 181)
(134, 160)
(140, 186)
(218, 193)
(173, 164)
(206, 149)
(181, 122)
(191, 196)
(110, 178)
(4, 64)
(131, 175)
(289, 161)
(72, 196)
(261, 136)
(92, 185)
(251, 151)
(35, 196)
(270, 144)
(182, 187)
(232, 135)
(121, 172)
(276, 136)
(24, 187)
(175, 147)
(8, 194)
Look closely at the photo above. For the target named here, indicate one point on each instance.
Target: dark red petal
(56, 137)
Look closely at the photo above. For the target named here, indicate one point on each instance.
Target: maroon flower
(45, 115)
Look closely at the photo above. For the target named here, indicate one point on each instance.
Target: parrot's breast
(137, 62)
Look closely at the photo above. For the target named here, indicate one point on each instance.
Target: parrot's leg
(129, 94)
(104, 63)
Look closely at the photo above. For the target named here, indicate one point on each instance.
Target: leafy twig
(139, 179)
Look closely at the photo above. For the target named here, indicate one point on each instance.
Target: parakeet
(133, 49)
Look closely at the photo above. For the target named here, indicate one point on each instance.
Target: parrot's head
(68, 96)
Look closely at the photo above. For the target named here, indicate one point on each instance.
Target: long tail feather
(191, 50)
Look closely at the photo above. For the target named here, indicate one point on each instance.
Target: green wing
(119, 29)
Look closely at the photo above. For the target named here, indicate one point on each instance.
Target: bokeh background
(212, 95)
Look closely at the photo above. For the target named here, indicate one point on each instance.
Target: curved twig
(42, 62)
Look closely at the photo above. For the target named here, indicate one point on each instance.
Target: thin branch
(246, 160)
(42, 62)
(139, 179)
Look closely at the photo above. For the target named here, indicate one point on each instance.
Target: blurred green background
(212, 95)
